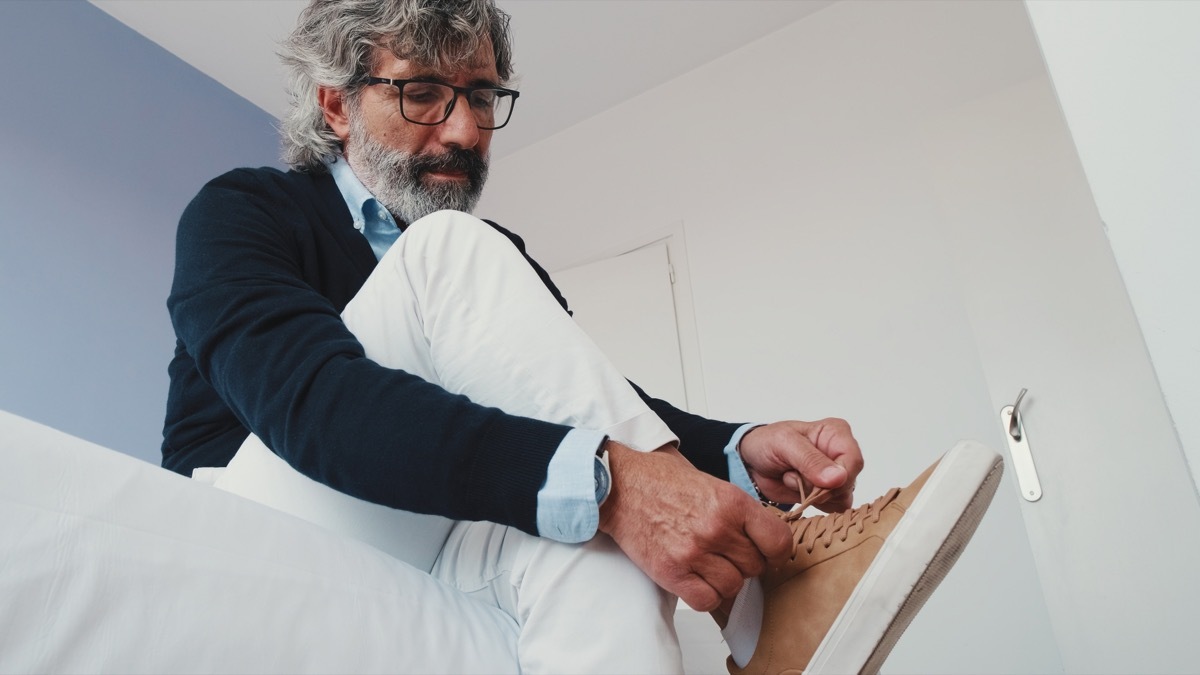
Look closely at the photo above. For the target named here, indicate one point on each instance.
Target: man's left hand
(786, 458)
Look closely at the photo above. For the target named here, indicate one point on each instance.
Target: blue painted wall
(106, 137)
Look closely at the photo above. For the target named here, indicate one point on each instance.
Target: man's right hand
(695, 535)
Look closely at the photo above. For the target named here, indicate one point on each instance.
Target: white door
(1116, 535)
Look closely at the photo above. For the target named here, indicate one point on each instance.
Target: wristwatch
(603, 476)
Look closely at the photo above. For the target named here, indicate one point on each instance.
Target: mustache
(455, 160)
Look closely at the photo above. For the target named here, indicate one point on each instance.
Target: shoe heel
(941, 564)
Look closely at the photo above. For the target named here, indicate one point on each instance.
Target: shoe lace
(824, 528)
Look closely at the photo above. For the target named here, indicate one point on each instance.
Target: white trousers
(455, 303)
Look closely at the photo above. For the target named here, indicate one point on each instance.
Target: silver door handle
(1018, 448)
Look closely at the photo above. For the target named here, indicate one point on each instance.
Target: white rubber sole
(912, 562)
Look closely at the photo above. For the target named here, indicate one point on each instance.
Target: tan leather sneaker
(857, 578)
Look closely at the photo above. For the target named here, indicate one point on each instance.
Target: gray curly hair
(334, 43)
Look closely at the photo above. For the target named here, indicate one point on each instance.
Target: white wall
(1127, 74)
(108, 137)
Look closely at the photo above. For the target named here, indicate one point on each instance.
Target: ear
(333, 103)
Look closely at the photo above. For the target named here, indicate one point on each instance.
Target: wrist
(601, 475)
(621, 462)
(750, 470)
(639, 480)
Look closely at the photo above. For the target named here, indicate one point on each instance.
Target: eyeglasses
(430, 103)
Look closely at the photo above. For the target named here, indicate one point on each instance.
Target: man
(363, 353)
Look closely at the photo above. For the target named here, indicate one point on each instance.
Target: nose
(460, 129)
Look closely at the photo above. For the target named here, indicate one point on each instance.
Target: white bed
(110, 564)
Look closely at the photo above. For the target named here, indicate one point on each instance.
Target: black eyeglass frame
(463, 91)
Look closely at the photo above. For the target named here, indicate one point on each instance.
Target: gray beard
(396, 178)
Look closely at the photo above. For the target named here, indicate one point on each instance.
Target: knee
(459, 242)
(457, 239)
(451, 228)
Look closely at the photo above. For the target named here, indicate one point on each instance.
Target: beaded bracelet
(761, 497)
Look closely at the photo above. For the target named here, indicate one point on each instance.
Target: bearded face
(414, 185)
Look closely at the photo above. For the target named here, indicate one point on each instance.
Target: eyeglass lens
(429, 103)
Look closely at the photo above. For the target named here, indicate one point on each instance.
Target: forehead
(480, 66)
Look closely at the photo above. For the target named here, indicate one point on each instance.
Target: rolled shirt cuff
(566, 504)
(737, 468)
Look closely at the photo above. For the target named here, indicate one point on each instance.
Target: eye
(420, 96)
(482, 98)
(421, 93)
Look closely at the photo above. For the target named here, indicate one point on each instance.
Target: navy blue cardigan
(265, 262)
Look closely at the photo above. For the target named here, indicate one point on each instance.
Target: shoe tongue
(887, 498)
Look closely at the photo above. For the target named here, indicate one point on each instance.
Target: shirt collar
(359, 200)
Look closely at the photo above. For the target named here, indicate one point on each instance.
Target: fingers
(742, 533)
(834, 437)
(816, 467)
(722, 576)
(737, 547)
(793, 456)
(746, 559)
(836, 440)
(795, 482)
(840, 499)
(714, 579)
(769, 534)
(696, 593)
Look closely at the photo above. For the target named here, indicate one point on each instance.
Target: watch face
(602, 480)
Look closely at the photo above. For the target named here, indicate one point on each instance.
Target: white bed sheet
(110, 564)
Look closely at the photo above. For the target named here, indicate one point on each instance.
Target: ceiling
(574, 58)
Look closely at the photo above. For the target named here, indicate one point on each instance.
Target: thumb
(822, 471)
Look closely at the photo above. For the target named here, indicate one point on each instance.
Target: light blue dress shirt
(567, 509)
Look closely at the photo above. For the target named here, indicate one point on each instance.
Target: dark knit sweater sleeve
(701, 440)
(275, 352)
